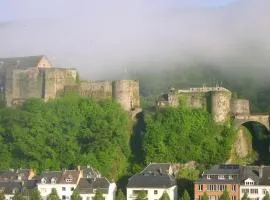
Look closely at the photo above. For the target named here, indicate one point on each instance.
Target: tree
(18, 196)
(76, 195)
(245, 197)
(165, 196)
(120, 195)
(266, 197)
(2, 195)
(53, 195)
(98, 195)
(141, 195)
(34, 194)
(225, 195)
(185, 196)
(205, 196)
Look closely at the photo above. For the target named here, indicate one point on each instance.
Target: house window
(63, 197)
(253, 191)
(155, 192)
(208, 177)
(230, 177)
(245, 191)
(264, 191)
(233, 197)
(221, 177)
(200, 187)
(233, 187)
(63, 189)
(68, 180)
(72, 188)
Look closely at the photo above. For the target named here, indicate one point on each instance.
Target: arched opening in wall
(253, 143)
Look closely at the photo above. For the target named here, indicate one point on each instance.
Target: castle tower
(126, 92)
(240, 107)
(220, 105)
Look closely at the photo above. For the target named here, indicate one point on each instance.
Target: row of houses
(154, 181)
(85, 180)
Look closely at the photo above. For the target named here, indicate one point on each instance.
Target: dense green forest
(72, 130)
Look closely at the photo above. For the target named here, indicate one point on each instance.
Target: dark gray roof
(90, 172)
(10, 187)
(265, 178)
(224, 169)
(20, 62)
(14, 174)
(151, 180)
(158, 167)
(48, 175)
(86, 185)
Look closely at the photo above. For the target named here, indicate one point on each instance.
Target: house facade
(153, 182)
(216, 180)
(255, 182)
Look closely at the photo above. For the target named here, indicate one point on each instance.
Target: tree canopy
(98, 195)
(266, 196)
(76, 195)
(165, 196)
(185, 196)
(225, 195)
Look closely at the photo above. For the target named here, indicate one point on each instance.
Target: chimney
(261, 171)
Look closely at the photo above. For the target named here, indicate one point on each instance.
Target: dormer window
(208, 177)
(43, 180)
(249, 182)
(53, 180)
(221, 177)
(69, 179)
(230, 177)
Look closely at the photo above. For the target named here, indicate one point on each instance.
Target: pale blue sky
(31, 9)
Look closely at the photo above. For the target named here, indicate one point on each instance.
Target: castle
(216, 100)
(35, 77)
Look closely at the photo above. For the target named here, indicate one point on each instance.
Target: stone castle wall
(240, 107)
(126, 92)
(55, 79)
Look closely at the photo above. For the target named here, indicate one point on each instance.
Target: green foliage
(205, 196)
(225, 195)
(245, 197)
(266, 196)
(34, 194)
(65, 132)
(18, 196)
(141, 195)
(2, 195)
(185, 196)
(98, 195)
(120, 195)
(181, 135)
(53, 195)
(165, 196)
(76, 195)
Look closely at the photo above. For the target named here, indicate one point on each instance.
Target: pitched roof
(224, 169)
(265, 178)
(20, 62)
(22, 174)
(87, 186)
(10, 187)
(159, 167)
(48, 175)
(69, 177)
(151, 180)
(90, 172)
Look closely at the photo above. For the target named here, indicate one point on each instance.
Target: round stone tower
(126, 92)
(220, 105)
(240, 107)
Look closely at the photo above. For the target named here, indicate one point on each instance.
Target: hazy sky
(31, 9)
(104, 36)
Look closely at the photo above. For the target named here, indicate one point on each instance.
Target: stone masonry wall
(21, 84)
(55, 80)
(126, 92)
(240, 106)
(98, 90)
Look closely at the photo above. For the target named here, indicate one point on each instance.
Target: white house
(255, 182)
(63, 181)
(92, 181)
(154, 180)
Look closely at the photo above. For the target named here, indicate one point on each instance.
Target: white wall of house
(9, 196)
(153, 193)
(62, 189)
(109, 196)
(255, 192)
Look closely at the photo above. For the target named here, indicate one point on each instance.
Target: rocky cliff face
(242, 151)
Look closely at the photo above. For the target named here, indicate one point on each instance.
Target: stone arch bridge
(260, 118)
